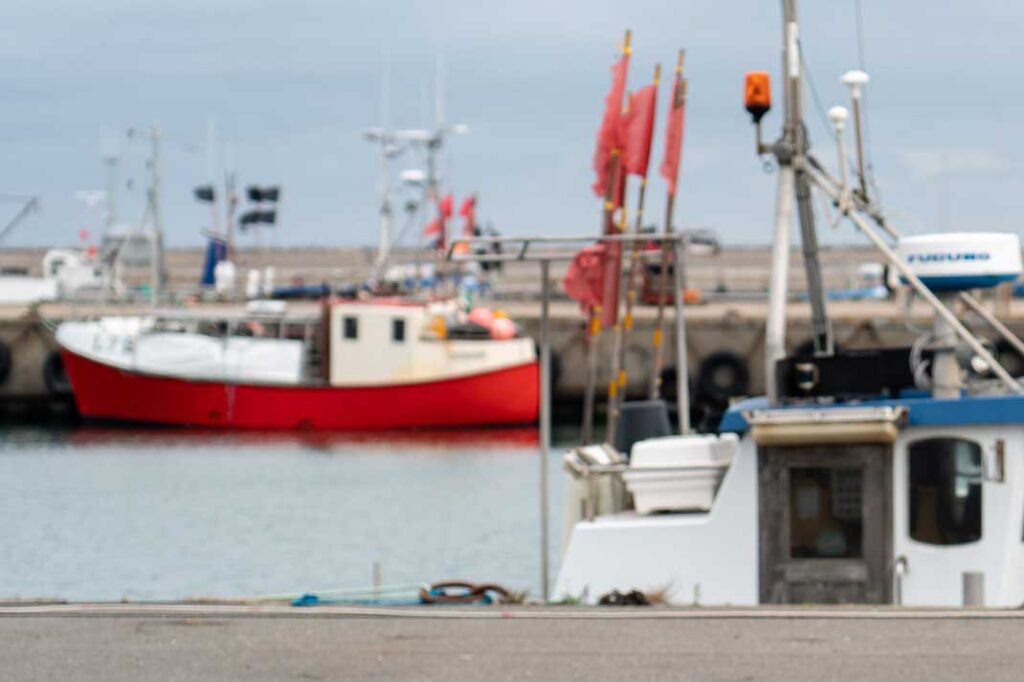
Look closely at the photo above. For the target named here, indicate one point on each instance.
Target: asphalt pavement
(114, 644)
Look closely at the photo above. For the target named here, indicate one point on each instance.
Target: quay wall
(731, 322)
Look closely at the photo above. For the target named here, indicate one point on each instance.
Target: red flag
(468, 211)
(674, 133)
(584, 280)
(609, 136)
(433, 228)
(83, 234)
(638, 130)
(444, 212)
(591, 280)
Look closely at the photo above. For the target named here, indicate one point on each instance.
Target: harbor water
(94, 514)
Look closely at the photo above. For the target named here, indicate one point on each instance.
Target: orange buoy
(503, 329)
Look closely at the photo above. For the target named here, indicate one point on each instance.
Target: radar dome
(962, 260)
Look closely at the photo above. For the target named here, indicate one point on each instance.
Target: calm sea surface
(92, 514)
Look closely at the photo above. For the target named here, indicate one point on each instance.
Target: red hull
(508, 396)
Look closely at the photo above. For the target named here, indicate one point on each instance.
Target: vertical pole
(593, 337)
(384, 189)
(545, 421)
(861, 175)
(110, 217)
(211, 136)
(946, 382)
(678, 99)
(778, 290)
(821, 328)
(156, 255)
(230, 201)
(610, 275)
(794, 146)
(659, 323)
(682, 363)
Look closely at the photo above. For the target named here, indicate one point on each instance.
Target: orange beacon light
(758, 94)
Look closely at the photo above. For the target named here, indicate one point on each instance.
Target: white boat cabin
(389, 343)
(374, 343)
(915, 501)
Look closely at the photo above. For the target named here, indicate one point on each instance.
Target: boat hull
(499, 397)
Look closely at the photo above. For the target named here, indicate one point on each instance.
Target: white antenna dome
(855, 80)
(413, 176)
(838, 116)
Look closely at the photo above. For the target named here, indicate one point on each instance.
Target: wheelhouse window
(945, 491)
(398, 330)
(350, 327)
(826, 513)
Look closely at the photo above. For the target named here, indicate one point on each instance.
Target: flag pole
(663, 284)
(593, 333)
(620, 376)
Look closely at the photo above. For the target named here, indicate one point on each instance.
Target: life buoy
(5, 362)
(723, 375)
(54, 376)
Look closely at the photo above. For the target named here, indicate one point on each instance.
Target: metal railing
(524, 249)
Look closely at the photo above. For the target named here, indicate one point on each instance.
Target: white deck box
(680, 473)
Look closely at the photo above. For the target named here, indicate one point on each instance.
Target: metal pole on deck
(778, 292)
(682, 364)
(545, 420)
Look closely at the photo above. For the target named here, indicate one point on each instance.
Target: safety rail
(523, 253)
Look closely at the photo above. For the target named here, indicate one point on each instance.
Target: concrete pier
(730, 324)
(117, 643)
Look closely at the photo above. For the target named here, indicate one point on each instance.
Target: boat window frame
(398, 330)
(974, 477)
(349, 328)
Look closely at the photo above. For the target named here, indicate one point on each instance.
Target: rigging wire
(862, 65)
(830, 131)
(814, 92)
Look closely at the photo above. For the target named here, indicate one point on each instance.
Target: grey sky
(291, 84)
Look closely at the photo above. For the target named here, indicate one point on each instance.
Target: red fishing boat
(350, 365)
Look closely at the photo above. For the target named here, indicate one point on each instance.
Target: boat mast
(110, 158)
(230, 201)
(152, 212)
(798, 170)
(794, 183)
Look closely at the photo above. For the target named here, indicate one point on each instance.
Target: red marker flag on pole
(638, 126)
(609, 136)
(433, 228)
(674, 133)
(437, 228)
(468, 211)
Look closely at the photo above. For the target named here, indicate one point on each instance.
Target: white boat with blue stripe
(879, 476)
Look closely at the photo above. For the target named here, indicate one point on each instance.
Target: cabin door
(825, 520)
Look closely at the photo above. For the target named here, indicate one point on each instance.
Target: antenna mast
(790, 152)
(798, 171)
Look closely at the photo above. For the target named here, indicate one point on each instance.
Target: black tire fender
(723, 364)
(6, 362)
(54, 376)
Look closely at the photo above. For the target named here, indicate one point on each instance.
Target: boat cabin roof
(922, 410)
